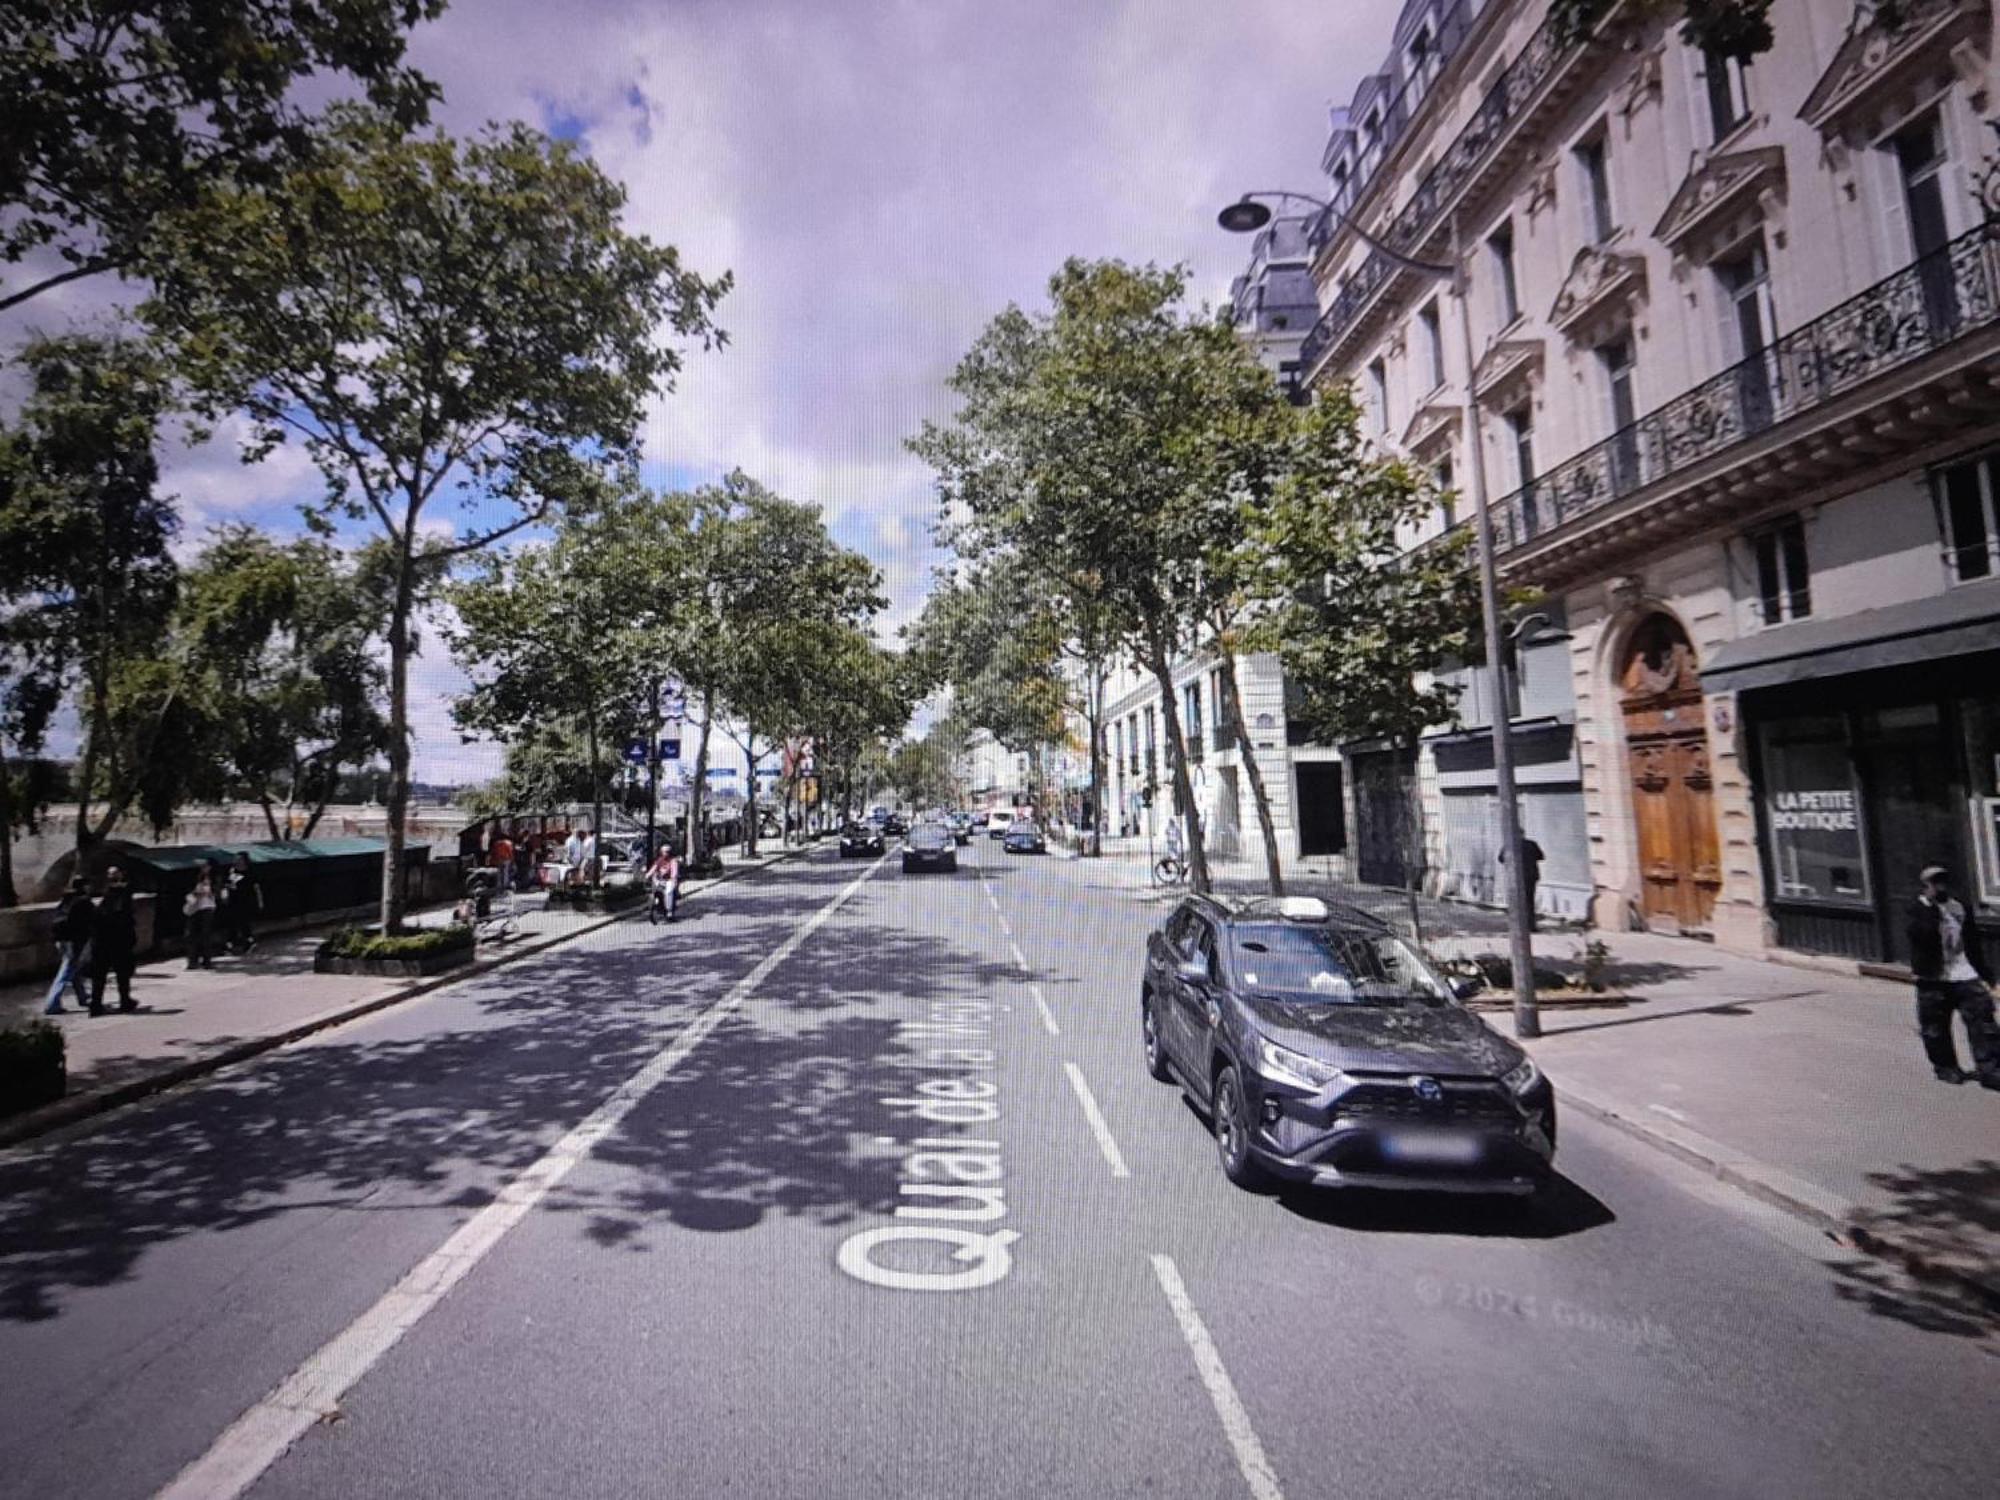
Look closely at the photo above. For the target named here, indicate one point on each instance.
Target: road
(621, 1220)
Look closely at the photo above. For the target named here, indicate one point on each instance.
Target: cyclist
(663, 878)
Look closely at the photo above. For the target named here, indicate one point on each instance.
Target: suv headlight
(1523, 1076)
(1293, 1067)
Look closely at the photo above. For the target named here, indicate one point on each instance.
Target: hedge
(363, 942)
(32, 1067)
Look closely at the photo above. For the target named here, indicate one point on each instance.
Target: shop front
(1871, 759)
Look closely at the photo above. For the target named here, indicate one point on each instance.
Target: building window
(1378, 393)
(1728, 93)
(1422, 58)
(1749, 323)
(1920, 165)
(1501, 246)
(1784, 586)
(1191, 705)
(1118, 740)
(1441, 476)
(1616, 361)
(1596, 190)
(1966, 494)
(1812, 813)
(1427, 319)
(1521, 434)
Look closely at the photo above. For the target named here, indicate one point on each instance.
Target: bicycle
(1169, 871)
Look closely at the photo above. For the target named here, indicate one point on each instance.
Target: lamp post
(1246, 215)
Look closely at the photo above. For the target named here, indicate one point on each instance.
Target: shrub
(1498, 970)
(32, 1068)
(364, 942)
(1592, 959)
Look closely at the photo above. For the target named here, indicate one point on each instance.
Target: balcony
(1527, 90)
(1931, 313)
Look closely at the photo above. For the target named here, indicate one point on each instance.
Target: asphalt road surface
(623, 1220)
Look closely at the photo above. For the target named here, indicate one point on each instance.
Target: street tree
(86, 576)
(283, 635)
(433, 321)
(119, 114)
(1739, 29)
(1084, 434)
(1367, 628)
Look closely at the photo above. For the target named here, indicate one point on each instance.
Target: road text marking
(1257, 1471)
(259, 1438)
(1095, 1116)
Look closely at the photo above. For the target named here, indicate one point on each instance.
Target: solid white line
(1048, 1016)
(1020, 958)
(1095, 1116)
(1257, 1471)
(259, 1438)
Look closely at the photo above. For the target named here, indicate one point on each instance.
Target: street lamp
(1246, 215)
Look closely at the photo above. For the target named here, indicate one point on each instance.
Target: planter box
(604, 898)
(33, 1071)
(394, 968)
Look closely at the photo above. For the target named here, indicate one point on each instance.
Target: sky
(881, 179)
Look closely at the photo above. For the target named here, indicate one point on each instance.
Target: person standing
(1949, 963)
(241, 901)
(114, 949)
(75, 925)
(199, 908)
(573, 857)
(502, 858)
(1531, 868)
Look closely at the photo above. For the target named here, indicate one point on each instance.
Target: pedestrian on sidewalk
(241, 901)
(1952, 974)
(502, 857)
(1531, 868)
(75, 926)
(199, 909)
(114, 949)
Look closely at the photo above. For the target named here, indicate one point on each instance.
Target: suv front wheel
(1230, 1112)
(1156, 1055)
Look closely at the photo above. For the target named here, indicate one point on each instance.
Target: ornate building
(1737, 335)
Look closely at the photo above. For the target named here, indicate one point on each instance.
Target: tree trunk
(8, 895)
(596, 794)
(1094, 714)
(1232, 706)
(270, 817)
(86, 771)
(749, 744)
(697, 829)
(1197, 851)
(397, 801)
(1411, 824)
(653, 776)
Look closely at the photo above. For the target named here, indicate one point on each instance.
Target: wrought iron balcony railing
(1928, 304)
(1516, 87)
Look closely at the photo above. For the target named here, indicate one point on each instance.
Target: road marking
(1095, 1116)
(259, 1438)
(1048, 1016)
(1257, 1471)
(995, 905)
(1020, 958)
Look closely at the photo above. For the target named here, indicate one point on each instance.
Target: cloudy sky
(882, 176)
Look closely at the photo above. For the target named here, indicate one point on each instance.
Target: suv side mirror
(1191, 971)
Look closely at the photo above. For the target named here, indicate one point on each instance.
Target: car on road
(999, 821)
(894, 825)
(1023, 837)
(960, 825)
(929, 847)
(860, 839)
(1324, 1049)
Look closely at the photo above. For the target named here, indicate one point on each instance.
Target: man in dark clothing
(75, 925)
(240, 900)
(1952, 974)
(1531, 869)
(114, 948)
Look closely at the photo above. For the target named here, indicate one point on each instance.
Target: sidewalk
(1808, 1089)
(192, 1022)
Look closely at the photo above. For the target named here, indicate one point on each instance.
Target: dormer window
(1422, 60)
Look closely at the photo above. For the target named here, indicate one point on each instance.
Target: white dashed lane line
(1106, 1142)
(1257, 1471)
(1042, 1005)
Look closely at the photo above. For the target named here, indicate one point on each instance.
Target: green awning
(186, 856)
(1957, 622)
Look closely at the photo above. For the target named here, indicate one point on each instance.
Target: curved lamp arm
(1426, 267)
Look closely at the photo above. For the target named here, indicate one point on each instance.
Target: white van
(999, 821)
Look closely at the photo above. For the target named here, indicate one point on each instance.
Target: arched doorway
(1673, 799)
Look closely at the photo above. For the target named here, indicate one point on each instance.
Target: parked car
(961, 827)
(929, 847)
(1024, 837)
(998, 822)
(1326, 1050)
(859, 839)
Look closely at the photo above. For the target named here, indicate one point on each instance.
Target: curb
(1827, 1212)
(79, 1107)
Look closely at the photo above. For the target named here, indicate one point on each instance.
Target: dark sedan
(860, 839)
(1024, 838)
(929, 847)
(894, 824)
(1325, 1050)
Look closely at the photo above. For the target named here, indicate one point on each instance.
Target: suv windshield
(1324, 965)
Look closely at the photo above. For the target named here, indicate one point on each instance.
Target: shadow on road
(1564, 1209)
(1949, 1219)
(447, 1117)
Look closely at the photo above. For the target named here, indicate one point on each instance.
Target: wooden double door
(1673, 789)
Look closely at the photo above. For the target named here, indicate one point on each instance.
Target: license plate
(1437, 1148)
